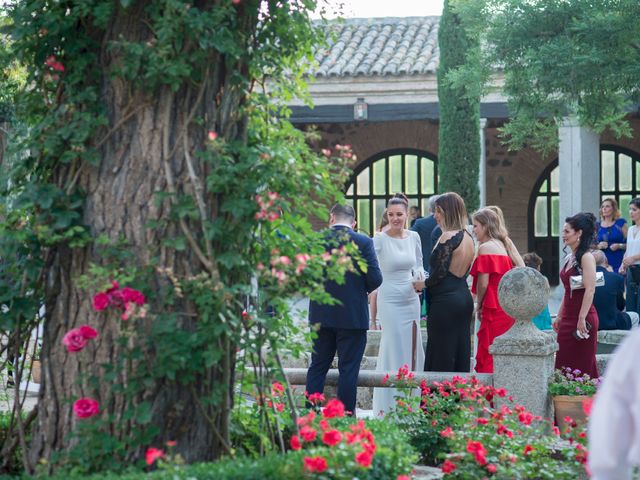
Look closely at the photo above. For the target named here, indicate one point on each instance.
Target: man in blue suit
(609, 299)
(343, 326)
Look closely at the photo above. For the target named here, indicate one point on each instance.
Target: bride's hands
(418, 286)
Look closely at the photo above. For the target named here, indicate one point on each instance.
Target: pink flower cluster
(54, 64)
(343, 151)
(122, 298)
(268, 208)
(77, 338)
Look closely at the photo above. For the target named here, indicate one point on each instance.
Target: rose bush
(458, 424)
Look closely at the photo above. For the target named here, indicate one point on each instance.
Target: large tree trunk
(143, 154)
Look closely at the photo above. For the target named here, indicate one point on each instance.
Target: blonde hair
(614, 205)
(453, 211)
(488, 218)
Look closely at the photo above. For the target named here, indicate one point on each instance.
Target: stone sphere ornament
(523, 293)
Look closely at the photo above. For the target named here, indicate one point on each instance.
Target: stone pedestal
(523, 358)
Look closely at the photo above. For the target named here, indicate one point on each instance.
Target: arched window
(619, 179)
(413, 172)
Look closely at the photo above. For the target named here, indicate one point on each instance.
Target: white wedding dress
(399, 309)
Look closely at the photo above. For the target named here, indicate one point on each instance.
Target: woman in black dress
(448, 296)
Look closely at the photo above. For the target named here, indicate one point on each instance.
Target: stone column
(579, 161)
(523, 357)
(482, 178)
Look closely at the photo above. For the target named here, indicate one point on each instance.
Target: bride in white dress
(400, 255)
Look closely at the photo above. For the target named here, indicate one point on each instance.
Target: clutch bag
(576, 283)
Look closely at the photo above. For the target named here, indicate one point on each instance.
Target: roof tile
(380, 46)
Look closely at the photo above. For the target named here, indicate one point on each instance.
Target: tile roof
(380, 47)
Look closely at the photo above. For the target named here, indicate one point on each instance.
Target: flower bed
(459, 425)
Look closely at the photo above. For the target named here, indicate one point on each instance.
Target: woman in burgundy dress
(577, 320)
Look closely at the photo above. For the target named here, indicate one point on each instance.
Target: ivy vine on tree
(153, 151)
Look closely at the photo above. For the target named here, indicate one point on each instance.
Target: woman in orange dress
(496, 256)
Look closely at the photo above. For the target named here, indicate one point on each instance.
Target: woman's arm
(556, 323)
(481, 290)
(588, 265)
(373, 305)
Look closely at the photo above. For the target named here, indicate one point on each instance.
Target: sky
(388, 8)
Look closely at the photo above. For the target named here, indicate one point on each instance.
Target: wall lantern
(360, 110)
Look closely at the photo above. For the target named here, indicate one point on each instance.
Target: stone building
(375, 89)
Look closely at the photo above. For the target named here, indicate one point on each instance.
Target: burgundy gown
(574, 353)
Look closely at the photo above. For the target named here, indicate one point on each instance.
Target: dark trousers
(350, 346)
(633, 289)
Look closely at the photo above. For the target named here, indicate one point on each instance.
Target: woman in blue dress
(612, 233)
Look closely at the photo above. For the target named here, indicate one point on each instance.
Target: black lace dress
(450, 313)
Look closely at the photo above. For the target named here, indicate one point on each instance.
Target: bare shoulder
(489, 248)
(588, 260)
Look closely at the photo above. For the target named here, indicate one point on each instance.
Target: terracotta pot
(569, 406)
(36, 371)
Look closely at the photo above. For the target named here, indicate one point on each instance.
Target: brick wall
(510, 176)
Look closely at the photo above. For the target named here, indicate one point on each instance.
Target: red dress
(574, 353)
(494, 320)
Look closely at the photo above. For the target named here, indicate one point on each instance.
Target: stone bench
(608, 340)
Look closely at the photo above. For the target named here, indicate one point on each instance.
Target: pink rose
(88, 332)
(86, 408)
(132, 295)
(74, 340)
(100, 301)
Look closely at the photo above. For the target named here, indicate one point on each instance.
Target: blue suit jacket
(352, 311)
(609, 302)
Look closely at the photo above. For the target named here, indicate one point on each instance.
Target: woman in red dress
(496, 256)
(577, 320)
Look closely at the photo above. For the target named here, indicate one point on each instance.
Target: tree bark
(144, 152)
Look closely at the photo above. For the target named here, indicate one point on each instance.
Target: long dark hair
(585, 221)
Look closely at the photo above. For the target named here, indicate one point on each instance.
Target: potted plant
(570, 389)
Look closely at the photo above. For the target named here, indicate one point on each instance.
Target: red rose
(153, 454)
(403, 477)
(54, 64)
(527, 448)
(364, 458)
(331, 437)
(295, 443)
(334, 408)
(86, 408)
(277, 389)
(316, 398)
(100, 301)
(448, 466)
(315, 464)
(491, 468)
(307, 433)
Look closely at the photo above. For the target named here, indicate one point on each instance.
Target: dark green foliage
(459, 134)
(561, 58)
